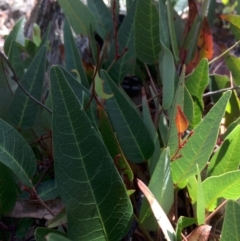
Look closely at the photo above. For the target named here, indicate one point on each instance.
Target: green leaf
(99, 88)
(73, 59)
(79, 15)
(172, 140)
(172, 31)
(16, 60)
(83, 95)
(232, 126)
(231, 223)
(16, 154)
(137, 145)
(233, 19)
(56, 237)
(161, 177)
(192, 189)
(182, 223)
(41, 233)
(163, 128)
(125, 65)
(17, 34)
(200, 200)
(86, 177)
(8, 191)
(233, 64)
(36, 34)
(200, 145)
(23, 111)
(147, 40)
(196, 83)
(44, 40)
(57, 220)
(222, 186)
(47, 190)
(23, 226)
(7, 87)
(188, 106)
(163, 22)
(147, 119)
(232, 110)
(167, 72)
(103, 17)
(112, 144)
(227, 156)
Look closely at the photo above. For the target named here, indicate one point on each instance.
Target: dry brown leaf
(201, 233)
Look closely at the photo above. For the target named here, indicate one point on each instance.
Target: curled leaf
(181, 121)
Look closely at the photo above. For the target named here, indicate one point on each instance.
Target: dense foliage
(100, 164)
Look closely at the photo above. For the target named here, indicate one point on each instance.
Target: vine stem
(15, 78)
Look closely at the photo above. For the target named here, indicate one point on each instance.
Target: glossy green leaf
(16, 34)
(45, 36)
(233, 64)
(222, 186)
(112, 144)
(42, 233)
(172, 140)
(188, 106)
(172, 31)
(147, 119)
(232, 110)
(79, 15)
(7, 87)
(23, 227)
(137, 145)
(47, 190)
(15, 59)
(163, 22)
(218, 82)
(182, 223)
(196, 83)
(231, 223)
(163, 128)
(124, 65)
(232, 126)
(56, 237)
(23, 111)
(227, 156)
(36, 37)
(73, 59)
(57, 220)
(83, 95)
(192, 189)
(200, 200)
(200, 145)
(233, 19)
(103, 17)
(99, 88)
(161, 186)
(147, 40)
(16, 154)
(86, 177)
(167, 73)
(8, 191)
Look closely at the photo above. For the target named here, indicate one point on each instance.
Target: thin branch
(225, 52)
(221, 91)
(15, 78)
(216, 211)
